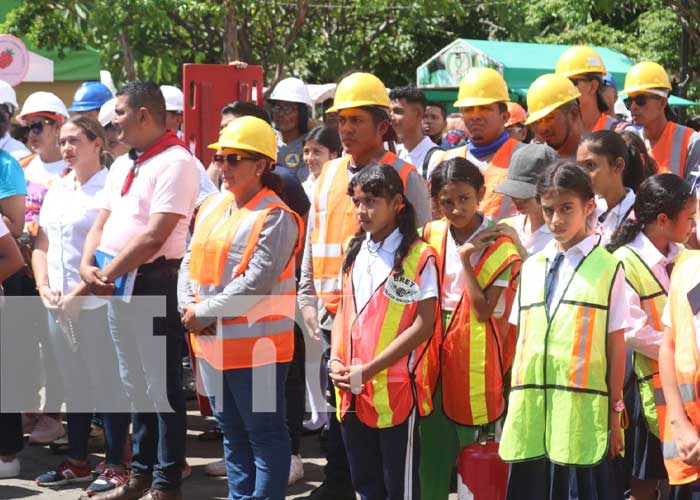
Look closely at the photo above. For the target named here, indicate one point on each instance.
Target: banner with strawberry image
(14, 60)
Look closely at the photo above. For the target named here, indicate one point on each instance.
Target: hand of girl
(686, 437)
(617, 441)
(50, 298)
(189, 319)
(465, 250)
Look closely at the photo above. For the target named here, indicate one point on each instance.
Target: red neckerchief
(167, 140)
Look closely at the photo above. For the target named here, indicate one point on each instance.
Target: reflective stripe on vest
(671, 150)
(388, 399)
(684, 328)
(652, 297)
(335, 222)
(263, 331)
(471, 361)
(559, 405)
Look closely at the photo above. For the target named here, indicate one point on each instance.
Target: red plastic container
(482, 473)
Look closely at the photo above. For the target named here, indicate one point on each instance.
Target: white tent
(40, 69)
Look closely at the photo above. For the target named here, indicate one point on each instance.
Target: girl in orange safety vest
(477, 269)
(647, 244)
(381, 337)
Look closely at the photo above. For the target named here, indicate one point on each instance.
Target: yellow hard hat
(360, 89)
(579, 60)
(547, 93)
(481, 86)
(248, 133)
(645, 76)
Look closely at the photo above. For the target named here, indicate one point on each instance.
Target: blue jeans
(256, 443)
(91, 381)
(150, 363)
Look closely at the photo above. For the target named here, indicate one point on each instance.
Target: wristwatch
(618, 405)
(334, 358)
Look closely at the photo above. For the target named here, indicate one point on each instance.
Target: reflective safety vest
(388, 399)
(472, 353)
(652, 297)
(335, 222)
(494, 205)
(27, 160)
(605, 122)
(671, 150)
(263, 332)
(685, 326)
(559, 402)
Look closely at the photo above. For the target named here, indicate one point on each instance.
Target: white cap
(174, 98)
(8, 96)
(107, 112)
(621, 109)
(43, 102)
(291, 90)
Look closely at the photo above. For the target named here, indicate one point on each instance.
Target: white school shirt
(66, 216)
(613, 219)
(454, 279)
(618, 316)
(642, 337)
(373, 265)
(16, 148)
(533, 242)
(416, 156)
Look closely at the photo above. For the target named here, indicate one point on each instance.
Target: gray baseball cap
(526, 166)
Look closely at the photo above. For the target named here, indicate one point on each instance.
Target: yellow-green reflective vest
(559, 404)
(652, 297)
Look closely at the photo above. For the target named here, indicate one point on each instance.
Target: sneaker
(109, 479)
(99, 469)
(66, 473)
(296, 470)
(46, 430)
(9, 469)
(216, 469)
(325, 492)
(186, 471)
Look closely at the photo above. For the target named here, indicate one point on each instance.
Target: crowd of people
(523, 273)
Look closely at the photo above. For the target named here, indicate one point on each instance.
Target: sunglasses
(231, 159)
(640, 100)
(576, 81)
(37, 128)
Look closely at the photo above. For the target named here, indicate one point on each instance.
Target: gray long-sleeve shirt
(278, 238)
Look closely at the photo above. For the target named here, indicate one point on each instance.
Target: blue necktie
(550, 279)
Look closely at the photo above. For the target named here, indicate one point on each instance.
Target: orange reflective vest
(494, 205)
(335, 222)
(671, 150)
(388, 399)
(684, 328)
(263, 332)
(27, 159)
(472, 352)
(605, 122)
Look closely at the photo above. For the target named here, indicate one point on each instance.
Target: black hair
(269, 179)
(611, 145)
(243, 108)
(409, 94)
(636, 146)
(379, 114)
(660, 194)
(383, 181)
(438, 105)
(502, 107)
(325, 136)
(566, 175)
(303, 117)
(455, 170)
(145, 94)
(327, 104)
(693, 122)
(600, 100)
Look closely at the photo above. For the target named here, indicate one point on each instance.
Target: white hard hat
(291, 90)
(8, 96)
(45, 102)
(621, 109)
(174, 98)
(107, 112)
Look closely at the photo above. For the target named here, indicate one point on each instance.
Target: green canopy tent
(519, 63)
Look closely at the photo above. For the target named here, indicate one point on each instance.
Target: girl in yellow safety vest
(477, 268)
(563, 431)
(381, 337)
(679, 368)
(647, 244)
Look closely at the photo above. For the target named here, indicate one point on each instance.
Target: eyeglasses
(231, 159)
(640, 100)
(576, 81)
(283, 107)
(37, 128)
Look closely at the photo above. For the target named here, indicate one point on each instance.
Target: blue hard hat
(89, 96)
(609, 81)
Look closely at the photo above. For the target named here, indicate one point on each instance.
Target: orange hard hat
(517, 114)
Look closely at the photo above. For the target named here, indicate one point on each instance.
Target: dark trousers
(116, 427)
(150, 361)
(296, 391)
(383, 462)
(337, 470)
(11, 439)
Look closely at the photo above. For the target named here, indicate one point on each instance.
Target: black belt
(159, 264)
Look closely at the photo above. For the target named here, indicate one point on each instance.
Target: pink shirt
(166, 183)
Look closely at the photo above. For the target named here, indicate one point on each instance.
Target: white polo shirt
(416, 156)
(607, 222)
(533, 242)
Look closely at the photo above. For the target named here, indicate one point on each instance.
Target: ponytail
(273, 182)
(409, 234)
(611, 145)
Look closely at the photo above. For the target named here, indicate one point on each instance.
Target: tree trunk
(231, 33)
(129, 67)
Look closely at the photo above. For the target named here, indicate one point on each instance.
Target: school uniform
(556, 433)
(379, 421)
(533, 241)
(608, 220)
